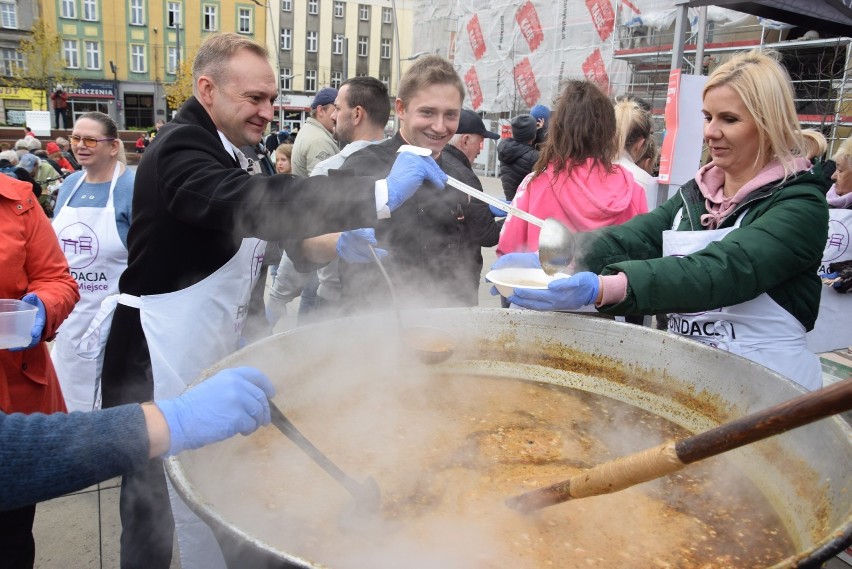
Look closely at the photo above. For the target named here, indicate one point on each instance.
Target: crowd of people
(731, 258)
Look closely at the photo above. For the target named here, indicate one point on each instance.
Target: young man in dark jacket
(517, 154)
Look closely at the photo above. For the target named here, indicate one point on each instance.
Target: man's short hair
(428, 70)
(217, 50)
(370, 94)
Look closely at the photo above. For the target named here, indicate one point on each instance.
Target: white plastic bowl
(508, 279)
(16, 322)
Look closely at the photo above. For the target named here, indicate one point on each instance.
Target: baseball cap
(470, 123)
(325, 96)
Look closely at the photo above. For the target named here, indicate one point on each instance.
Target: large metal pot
(805, 474)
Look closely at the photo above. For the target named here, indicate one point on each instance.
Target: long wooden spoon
(670, 457)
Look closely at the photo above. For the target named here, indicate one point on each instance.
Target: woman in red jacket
(35, 270)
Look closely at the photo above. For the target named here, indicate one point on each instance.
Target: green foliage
(44, 64)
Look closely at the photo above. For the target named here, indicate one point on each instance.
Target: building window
(9, 15)
(363, 43)
(137, 13)
(311, 42)
(72, 56)
(93, 55)
(363, 12)
(174, 15)
(339, 9)
(387, 15)
(172, 60)
(210, 23)
(336, 79)
(337, 44)
(286, 5)
(90, 10)
(313, 7)
(286, 79)
(244, 20)
(68, 9)
(286, 39)
(137, 59)
(311, 80)
(13, 61)
(386, 48)
(385, 79)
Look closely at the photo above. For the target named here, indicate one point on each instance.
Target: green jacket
(776, 250)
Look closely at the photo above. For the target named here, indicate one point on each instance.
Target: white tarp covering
(514, 54)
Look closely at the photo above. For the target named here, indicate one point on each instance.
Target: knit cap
(524, 128)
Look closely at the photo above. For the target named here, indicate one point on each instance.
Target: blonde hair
(844, 153)
(428, 70)
(286, 149)
(632, 123)
(765, 89)
(815, 143)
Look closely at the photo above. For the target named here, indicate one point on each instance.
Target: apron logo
(837, 242)
(687, 327)
(80, 245)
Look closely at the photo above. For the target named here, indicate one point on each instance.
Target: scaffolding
(819, 68)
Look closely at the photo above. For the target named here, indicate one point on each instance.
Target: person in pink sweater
(575, 180)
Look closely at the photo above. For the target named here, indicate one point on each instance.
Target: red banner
(474, 34)
(530, 26)
(594, 69)
(525, 80)
(474, 90)
(603, 17)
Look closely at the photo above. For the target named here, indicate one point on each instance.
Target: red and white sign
(530, 25)
(603, 17)
(474, 34)
(525, 80)
(474, 90)
(594, 69)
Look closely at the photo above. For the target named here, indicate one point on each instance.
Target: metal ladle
(367, 496)
(432, 345)
(555, 242)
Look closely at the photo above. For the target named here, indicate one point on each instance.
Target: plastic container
(16, 321)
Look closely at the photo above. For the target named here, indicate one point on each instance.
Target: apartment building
(16, 22)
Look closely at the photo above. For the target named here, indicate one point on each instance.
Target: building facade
(16, 22)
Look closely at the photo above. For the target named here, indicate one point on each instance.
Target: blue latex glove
(498, 212)
(354, 246)
(38, 326)
(572, 293)
(517, 260)
(232, 401)
(408, 173)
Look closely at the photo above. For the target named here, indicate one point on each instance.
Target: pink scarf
(835, 200)
(711, 182)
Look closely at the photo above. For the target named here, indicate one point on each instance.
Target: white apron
(758, 329)
(89, 238)
(187, 331)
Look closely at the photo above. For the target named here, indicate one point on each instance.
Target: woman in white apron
(733, 256)
(92, 218)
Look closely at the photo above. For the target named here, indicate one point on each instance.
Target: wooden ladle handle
(670, 457)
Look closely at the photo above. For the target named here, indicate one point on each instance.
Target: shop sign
(92, 90)
(20, 93)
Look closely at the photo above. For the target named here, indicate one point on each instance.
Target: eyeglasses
(88, 141)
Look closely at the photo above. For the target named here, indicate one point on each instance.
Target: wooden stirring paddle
(670, 457)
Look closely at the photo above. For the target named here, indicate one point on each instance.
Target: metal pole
(699, 42)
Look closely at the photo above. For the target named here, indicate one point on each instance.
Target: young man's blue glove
(409, 173)
(572, 293)
(517, 261)
(497, 212)
(354, 246)
(232, 401)
(40, 319)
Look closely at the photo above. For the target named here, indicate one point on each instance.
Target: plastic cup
(16, 322)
